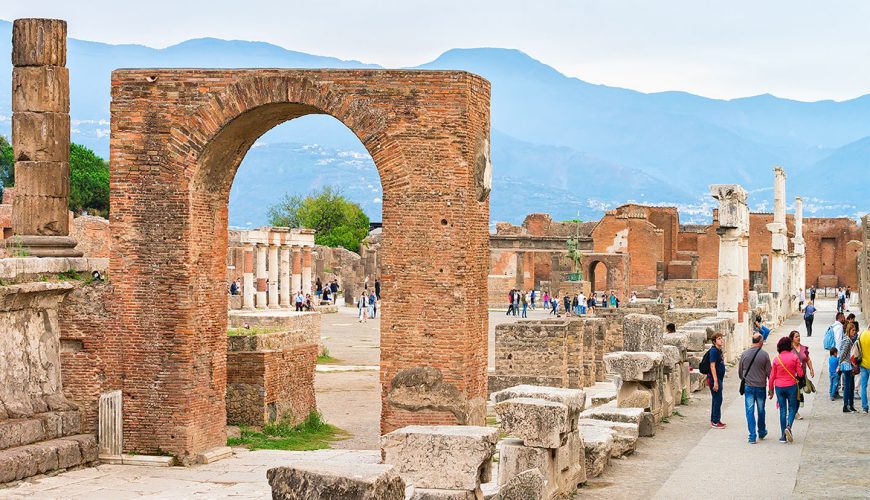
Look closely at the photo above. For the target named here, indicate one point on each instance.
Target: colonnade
(276, 263)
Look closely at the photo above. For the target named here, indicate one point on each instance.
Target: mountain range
(559, 144)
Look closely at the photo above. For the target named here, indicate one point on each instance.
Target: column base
(42, 246)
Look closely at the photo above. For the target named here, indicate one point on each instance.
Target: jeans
(754, 398)
(525, 306)
(716, 410)
(787, 398)
(865, 374)
(848, 390)
(554, 308)
(516, 308)
(835, 383)
(510, 309)
(809, 323)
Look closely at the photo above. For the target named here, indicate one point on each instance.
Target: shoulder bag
(743, 375)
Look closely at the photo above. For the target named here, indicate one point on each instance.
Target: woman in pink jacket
(785, 370)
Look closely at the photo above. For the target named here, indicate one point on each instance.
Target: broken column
(442, 461)
(40, 138)
(733, 224)
(800, 274)
(542, 422)
(779, 244)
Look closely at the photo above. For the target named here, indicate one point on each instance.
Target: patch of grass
(312, 434)
(676, 413)
(325, 359)
(684, 399)
(666, 420)
(254, 330)
(70, 275)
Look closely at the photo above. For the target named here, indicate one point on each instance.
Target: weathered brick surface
(92, 235)
(692, 293)
(178, 137)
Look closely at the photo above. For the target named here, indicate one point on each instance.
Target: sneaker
(762, 435)
(782, 440)
(719, 425)
(798, 416)
(832, 398)
(752, 441)
(846, 410)
(788, 436)
(866, 410)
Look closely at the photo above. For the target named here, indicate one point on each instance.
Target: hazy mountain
(559, 144)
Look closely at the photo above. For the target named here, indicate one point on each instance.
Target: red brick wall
(842, 230)
(177, 138)
(92, 235)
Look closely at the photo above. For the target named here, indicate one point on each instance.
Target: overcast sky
(800, 49)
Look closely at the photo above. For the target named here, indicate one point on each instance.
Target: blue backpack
(829, 338)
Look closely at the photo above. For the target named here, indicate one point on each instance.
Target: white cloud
(102, 132)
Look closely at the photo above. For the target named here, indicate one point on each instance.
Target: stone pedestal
(262, 277)
(248, 291)
(296, 277)
(40, 139)
(284, 278)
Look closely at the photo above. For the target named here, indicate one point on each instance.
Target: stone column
(40, 138)
(779, 243)
(306, 270)
(521, 270)
(248, 277)
(296, 278)
(732, 199)
(273, 274)
(261, 275)
(799, 245)
(284, 279)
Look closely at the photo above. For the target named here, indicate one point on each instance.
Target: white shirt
(838, 332)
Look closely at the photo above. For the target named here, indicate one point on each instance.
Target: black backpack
(704, 367)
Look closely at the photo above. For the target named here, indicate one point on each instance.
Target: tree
(336, 221)
(7, 164)
(88, 181)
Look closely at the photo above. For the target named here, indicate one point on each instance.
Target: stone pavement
(242, 476)
(687, 458)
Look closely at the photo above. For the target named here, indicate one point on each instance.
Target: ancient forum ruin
(123, 347)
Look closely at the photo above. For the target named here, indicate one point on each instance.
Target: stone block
(671, 358)
(598, 446)
(436, 494)
(625, 435)
(334, 481)
(537, 422)
(40, 137)
(457, 457)
(514, 458)
(17, 432)
(47, 458)
(570, 463)
(574, 399)
(87, 445)
(642, 332)
(40, 89)
(680, 340)
(527, 485)
(69, 453)
(634, 395)
(698, 380)
(696, 338)
(693, 358)
(635, 366)
(643, 419)
(603, 397)
(39, 42)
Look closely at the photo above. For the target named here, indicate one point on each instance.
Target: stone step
(22, 462)
(40, 427)
(625, 435)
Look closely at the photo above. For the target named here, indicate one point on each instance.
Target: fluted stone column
(40, 138)
(273, 276)
(733, 227)
(779, 243)
(296, 279)
(800, 245)
(306, 269)
(261, 275)
(248, 277)
(284, 271)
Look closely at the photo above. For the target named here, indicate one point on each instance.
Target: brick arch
(177, 139)
(618, 271)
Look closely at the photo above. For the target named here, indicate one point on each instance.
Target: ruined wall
(633, 234)
(342, 264)
(270, 378)
(692, 293)
(6, 212)
(831, 261)
(92, 235)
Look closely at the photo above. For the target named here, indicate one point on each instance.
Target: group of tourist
(520, 301)
(789, 375)
(302, 300)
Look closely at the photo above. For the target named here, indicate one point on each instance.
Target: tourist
(670, 303)
(754, 369)
(841, 300)
(834, 372)
(309, 306)
(234, 287)
(784, 373)
(847, 298)
(802, 297)
(510, 308)
(575, 305)
(333, 287)
(300, 300)
(516, 302)
(318, 289)
(671, 328)
(532, 298)
(660, 299)
(590, 304)
(633, 298)
(378, 288)
(325, 298)
(716, 379)
(373, 304)
(809, 316)
(554, 304)
(581, 300)
(605, 299)
(813, 294)
(362, 307)
(847, 368)
(759, 326)
(614, 302)
(525, 304)
(803, 354)
(852, 319)
(839, 326)
(566, 300)
(864, 366)
(546, 300)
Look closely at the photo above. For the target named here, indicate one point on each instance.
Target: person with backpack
(864, 365)
(834, 371)
(847, 369)
(532, 298)
(833, 338)
(754, 368)
(713, 365)
(783, 381)
(809, 316)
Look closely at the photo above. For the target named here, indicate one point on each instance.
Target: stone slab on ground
(634, 366)
(574, 399)
(434, 494)
(527, 485)
(455, 457)
(625, 435)
(537, 422)
(643, 419)
(336, 481)
(598, 446)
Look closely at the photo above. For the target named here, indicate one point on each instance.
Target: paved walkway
(829, 458)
